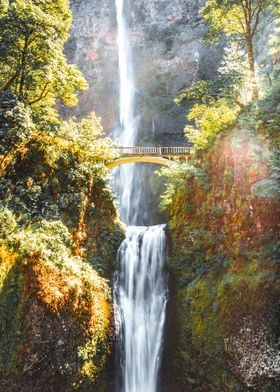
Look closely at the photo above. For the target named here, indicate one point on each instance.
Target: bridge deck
(154, 151)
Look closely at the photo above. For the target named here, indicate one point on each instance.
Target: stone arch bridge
(157, 155)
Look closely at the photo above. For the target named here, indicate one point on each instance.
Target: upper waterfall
(125, 178)
(126, 89)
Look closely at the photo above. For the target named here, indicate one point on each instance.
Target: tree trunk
(251, 60)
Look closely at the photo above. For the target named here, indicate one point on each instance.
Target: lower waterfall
(140, 294)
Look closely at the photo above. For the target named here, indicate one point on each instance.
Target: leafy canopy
(16, 125)
(209, 121)
(32, 63)
(216, 103)
(234, 17)
(239, 20)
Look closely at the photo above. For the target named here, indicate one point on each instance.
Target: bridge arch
(142, 159)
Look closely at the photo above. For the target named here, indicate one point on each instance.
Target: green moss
(267, 188)
(11, 310)
(223, 257)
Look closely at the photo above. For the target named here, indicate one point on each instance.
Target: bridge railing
(153, 151)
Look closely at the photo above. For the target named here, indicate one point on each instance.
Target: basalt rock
(168, 55)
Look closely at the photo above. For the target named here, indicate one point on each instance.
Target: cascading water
(140, 298)
(125, 175)
(140, 292)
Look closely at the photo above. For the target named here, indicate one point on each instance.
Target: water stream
(140, 298)
(140, 290)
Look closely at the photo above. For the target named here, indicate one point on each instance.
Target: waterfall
(125, 176)
(140, 298)
(140, 292)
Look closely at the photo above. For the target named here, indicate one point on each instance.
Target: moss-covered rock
(224, 261)
(55, 323)
(59, 235)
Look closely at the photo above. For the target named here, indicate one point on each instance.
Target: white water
(125, 175)
(140, 292)
(140, 299)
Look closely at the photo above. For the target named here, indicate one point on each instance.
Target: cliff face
(58, 227)
(55, 323)
(168, 55)
(56, 312)
(167, 52)
(224, 226)
(92, 45)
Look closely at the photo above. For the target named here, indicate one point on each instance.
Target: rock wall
(168, 55)
(92, 46)
(224, 228)
(59, 235)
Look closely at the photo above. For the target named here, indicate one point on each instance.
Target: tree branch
(43, 95)
(256, 22)
(11, 81)
(241, 22)
(259, 4)
(245, 9)
(268, 23)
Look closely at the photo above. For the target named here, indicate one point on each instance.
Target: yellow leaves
(4, 6)
(39, 31)
(198, 326)
(224, 17)
(86, 139)
(68, 81)
(7, 262)
(202, 294)
(234, 21)
(209, 121)
(89, 370)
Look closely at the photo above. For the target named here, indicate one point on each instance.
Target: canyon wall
(168, 55)
(223, 325)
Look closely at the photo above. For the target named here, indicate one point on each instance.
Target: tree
(16, 127)
(236, 18)
(32, 63)
(215, 103)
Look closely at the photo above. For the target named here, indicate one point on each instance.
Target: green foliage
(209, 91)
(32, 63)
(53, 177)
(267, 113)
(8, 223)
(63, 282)
(50, 240)
(209, 121)
(223, 270)
(16, 125)
(233, 17)
(86, 137)
(176, 177)
(216, 103)
(11, 310)
(52, 187)
(238, 20)
(267, 188)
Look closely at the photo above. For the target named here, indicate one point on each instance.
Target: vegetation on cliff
(58, 223)
(224, 214)
(216, 103)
